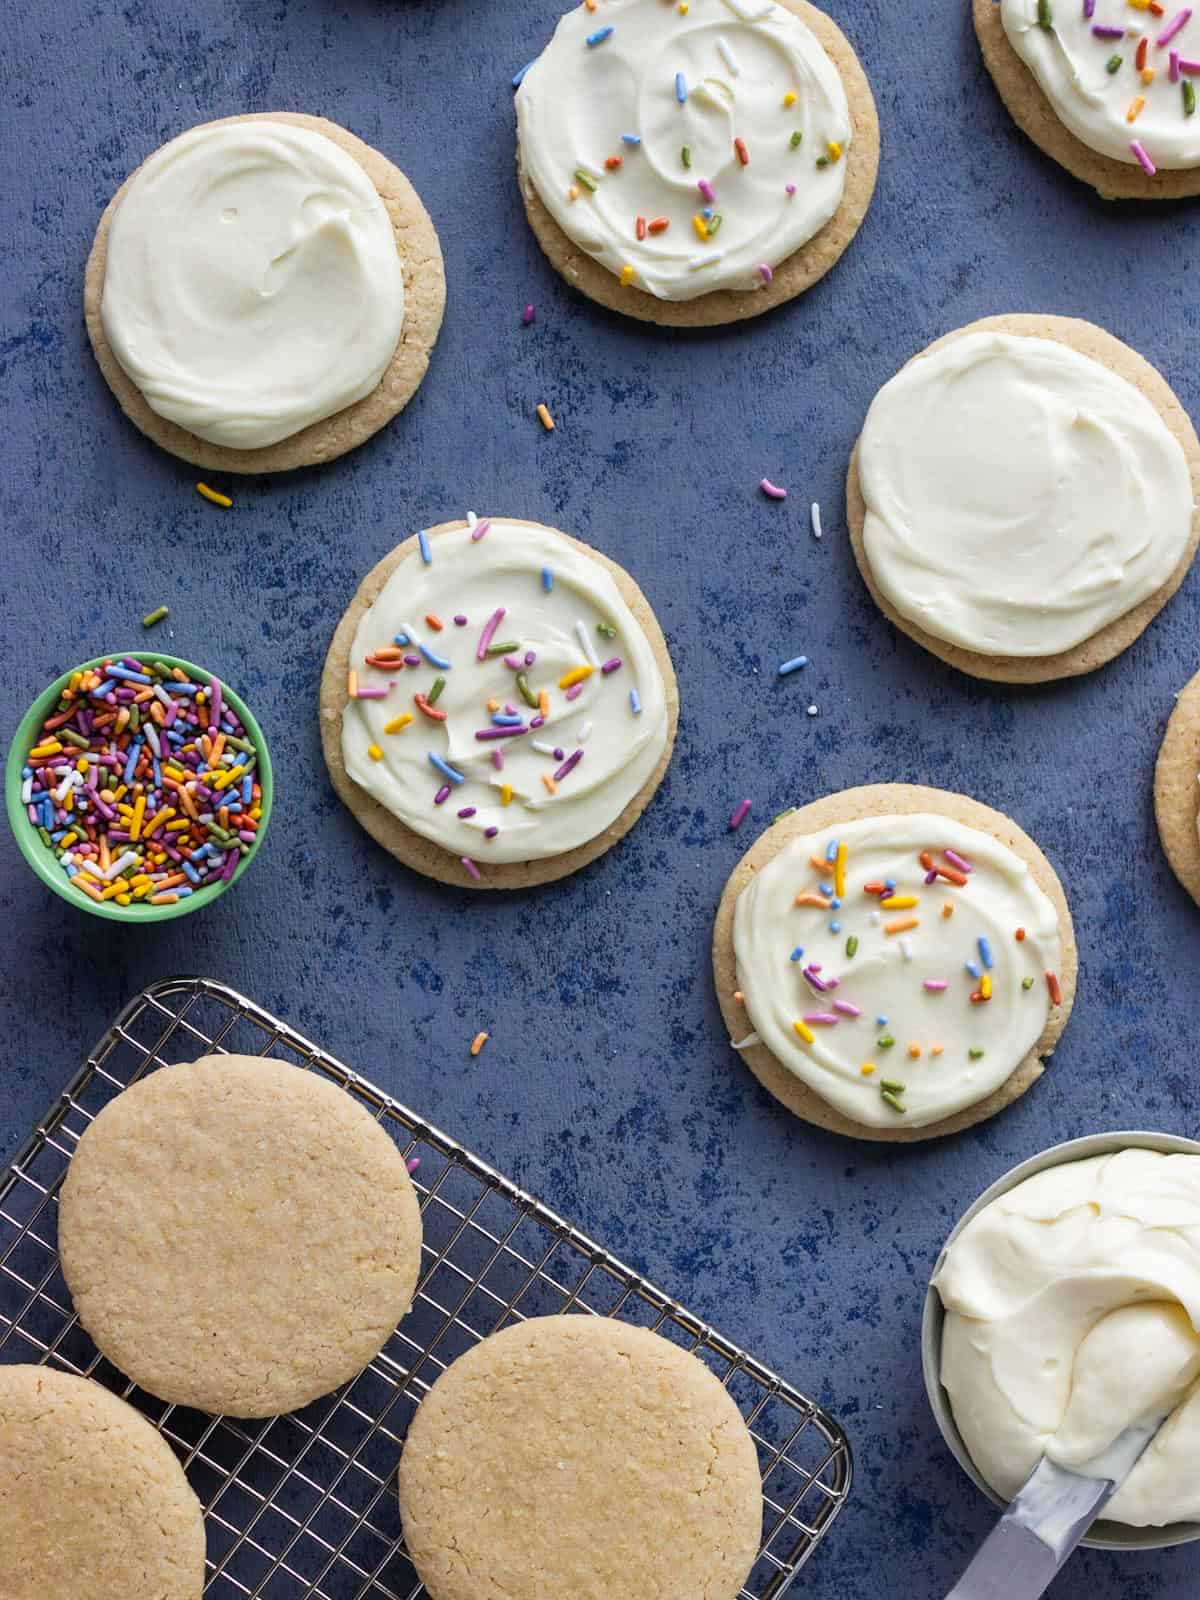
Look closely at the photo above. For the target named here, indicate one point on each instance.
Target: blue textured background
(607, 1087)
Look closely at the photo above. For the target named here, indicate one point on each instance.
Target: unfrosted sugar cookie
(1022, 499)
(93, 1503)
(1177, 789)
(238, 1235)
(498, 705)
(576, 1455)
(1107, 88)
(264, 293)
(893, 962)
(699, 163)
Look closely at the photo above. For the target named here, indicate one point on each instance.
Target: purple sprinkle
(480, 528)
(442, 795)
(955, 860)
(574, 691)
(1089, 8)
(498, 759)
(530, 657)
(765, 273)
(412, 1164)
(489, 633)
(817, 983)
(515, 662)
(568, 765)
(931, 876)
(825, 1019)
(460, 621)
(611, 666)
(467, 811)
(470, 866)
(527, 316)
(510, 711)
(537, 722)
(789, 188)
(1174, 26)
(1103, 31)
(490, 833)
(412, 661)
(739, 815)
(501, 733)
(1173, 58)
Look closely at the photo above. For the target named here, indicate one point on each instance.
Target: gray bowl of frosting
(1106, 1534)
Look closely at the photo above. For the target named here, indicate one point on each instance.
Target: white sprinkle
(728, 57)
(816, 519)
(586, 645)
(699, 262)
(905, 948)
(875, 919)
(542, 748)
(152, 738)
(744, 1044)
(585, 733)
(812, 711)
(472, 519)
(748, 11)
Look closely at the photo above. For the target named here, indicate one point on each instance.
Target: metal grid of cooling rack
(302, 1507)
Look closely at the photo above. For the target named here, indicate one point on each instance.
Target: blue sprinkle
(985, 951)
(547, 579)
(635, 700)
(72, 872)
(881, 1022)
(826, 888)
(190, 870)
(182, 688)
(598, 37)
(182, 892)
(27, 772)
(401, 638)
(157, 772)
(446, 769)
(129, 675)
(797, 954)
(831, 850)
(835, 927)
(706, 212)
(835, 902)
(423, 541)
(890, 885)
(247, 789)
(132, 762)
(793, 665)
(518, 76)
(680, 87)
(503, 720)
(973, 968)
(433, 658)
(631, 138)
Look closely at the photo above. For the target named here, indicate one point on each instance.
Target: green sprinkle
(685, 155)
(135, 718)
(239, 744)
(504, 649)
(852, 945)
(606, 630)
(822, 161)
(585, 179)
(1113, 64)
(974, 1052)
(893, 1084)
(779, 815)
(46, 839)
(527, 693)
(1189, 98)
(435, 693)
(886, 1042)
(714, 222)
(796, 138)
(892, 1101)
(164, 671)
(76, 739)
(157, 615)
(1045, 16)
(1027, 983)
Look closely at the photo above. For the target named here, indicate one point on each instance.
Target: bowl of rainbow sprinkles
(139, 787)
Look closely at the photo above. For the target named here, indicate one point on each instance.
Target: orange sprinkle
(743, 155)
(613, 162)
(551, 786)
(544, 417)
(914, 1050)
(1139, 59)
(1055, 991)
(493, 705)
(431, 712)
(936, 1049)
(389, 652)
(872, 887)
(1135, 109)
(435, 623)
(164, 899)
(543, 702)
(659, 225)
(902, 925)
(478, 1042)
(948, 908)
(810, 899)
(926, 860)
(639, 227)
(572, 193)
(739, 997)
(81, 882)
(1019, 935)
(352, 684)
(950, 874)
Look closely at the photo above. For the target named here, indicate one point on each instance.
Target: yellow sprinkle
(81, 765)
(67, 840)
(1147, 74)
(50, 748)
(789, 98)
(181, 825)
(1140, 5)
(397, 724)
(626, 275)
(839, 872)
(157, 821)
(985, 986)
(211, 494)
(867, 1068)
(546, 420)
(899, 902)
(506, 794)
(478, 1042)
(1135, 109)
(139, 811)
(375, 753)
(805, 1032)
(700, 226)
(914, 1050)
(683, 8)
(124, 899)
(834, 149)
(576, 675)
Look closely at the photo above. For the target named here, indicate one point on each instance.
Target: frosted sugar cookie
(264, 293)
(1107, 88)
(1177, 789)
(893, 962)
(696, 164)
(566, 1453)
(1022, 499)
(93, 1503)
(238, 1235)
(498, 704)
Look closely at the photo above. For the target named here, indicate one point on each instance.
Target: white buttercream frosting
(1071, 57)
(1072, 1309)
(1019, 496)
(676, 100)
(609, 727)
(856, 963)
(252, 284)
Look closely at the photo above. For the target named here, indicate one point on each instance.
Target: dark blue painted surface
(607, 1086)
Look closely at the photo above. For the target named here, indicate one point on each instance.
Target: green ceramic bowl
(45, 863)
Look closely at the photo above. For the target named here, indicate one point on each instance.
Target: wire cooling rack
(303, 1507)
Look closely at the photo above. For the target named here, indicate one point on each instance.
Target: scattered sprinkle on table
(412, 1164)
(811, 711)
(815, 515)
(527, 316)
(772, 490)
(544, 417)
(213, 496)
(478, 1042)
(143, 782)
(159, 614)
(793, 665)
(740, 812)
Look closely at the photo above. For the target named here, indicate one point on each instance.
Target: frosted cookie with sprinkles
(1107, 88)
(498, 704)
(264, 293)
(699, 163)
(894, 962)
(1177, 789)
(1022, 498)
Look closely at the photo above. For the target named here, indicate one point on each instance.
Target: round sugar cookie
(93, 1503)
(423, 854)
(1033, 113)
(792, 276)
(893, 1062)
(238, 1235)
(424, 303)
(567, 1453)
(1104, 645)
(1177, 789)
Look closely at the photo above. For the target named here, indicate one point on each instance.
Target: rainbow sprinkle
(740, 812)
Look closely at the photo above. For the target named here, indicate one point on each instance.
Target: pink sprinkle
(765, 273)
(847, 1010)
(574, 691)
(955, 860)
(412, 1164)
(480, 528)
(824, 1019)
(471, 867)
(1173, 27)
(611, 666)
(527, 316)
(371, 694)
(489, 633)
(1173, 71)
(739, 815)
(515, 662)
(772, 490)
(706, 189)
(1188, 66)
(935, 985)
(498, 759)
(1139, 151)
(789, 189)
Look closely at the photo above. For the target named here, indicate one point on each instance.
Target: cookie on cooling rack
(238, 1235)
(93, 1502)
(566, 1453)
(894, 962)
